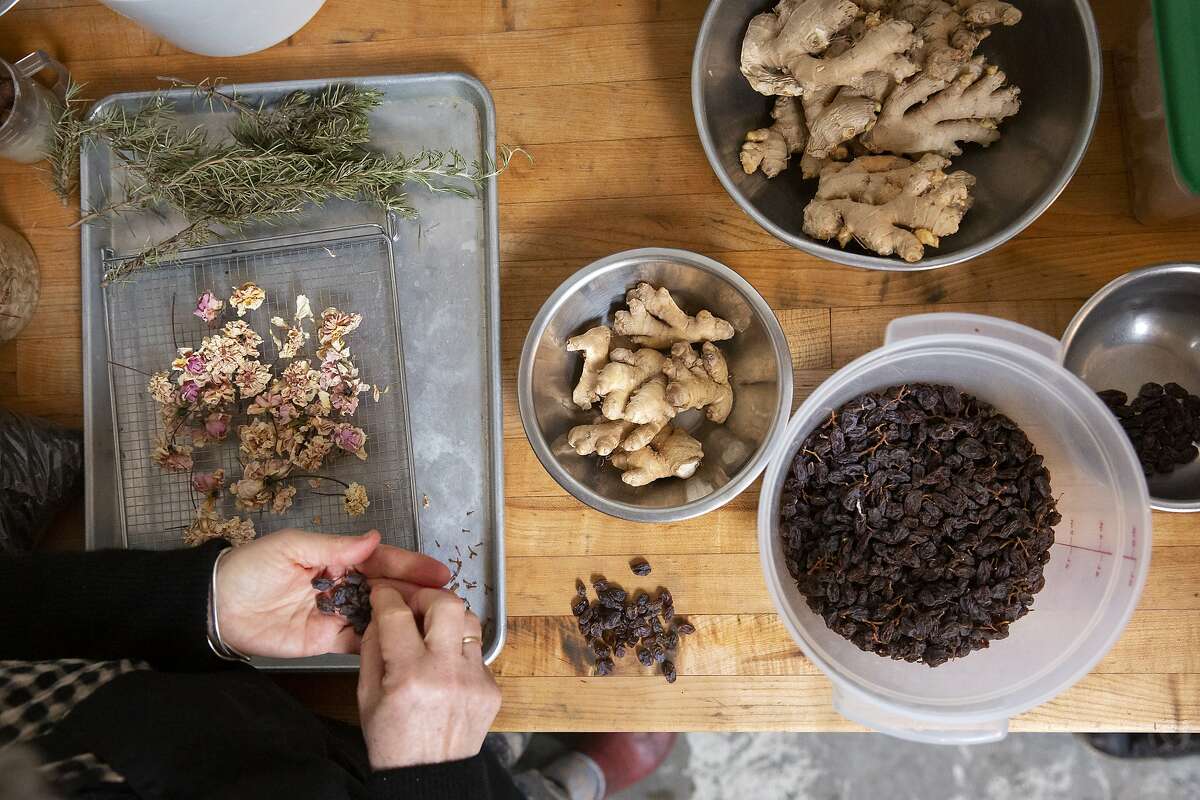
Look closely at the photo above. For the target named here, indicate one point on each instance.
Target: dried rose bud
(208, 307)
(189, 392)
(217, 425)
(208, 482)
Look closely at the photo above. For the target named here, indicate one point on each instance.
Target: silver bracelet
(219, 648)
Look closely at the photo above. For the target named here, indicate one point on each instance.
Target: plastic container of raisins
(1098, 563)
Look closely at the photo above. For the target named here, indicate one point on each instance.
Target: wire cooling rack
(150, 317)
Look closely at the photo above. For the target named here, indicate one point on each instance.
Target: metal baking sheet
(447, 296)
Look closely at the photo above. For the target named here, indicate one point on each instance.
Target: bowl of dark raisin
(1137, 343)
(955, 529)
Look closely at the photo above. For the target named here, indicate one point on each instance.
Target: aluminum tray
(448, 298)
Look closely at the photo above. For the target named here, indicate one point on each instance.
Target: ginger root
(770, 149)
(650, 411)
(783, 51)
(699, 380)
(654, 320)
(950, 33)
(624, 374)
(874, 77)
(601, 437)
(672, 453)
(594, 344)
(641, 391)
(889, 204)
(929, 115)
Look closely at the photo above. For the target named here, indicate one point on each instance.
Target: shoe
(1144, 745)
(626, 758)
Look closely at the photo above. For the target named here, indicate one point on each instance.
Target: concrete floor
(871, 767)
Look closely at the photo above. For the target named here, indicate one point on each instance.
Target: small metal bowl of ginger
(655, 385)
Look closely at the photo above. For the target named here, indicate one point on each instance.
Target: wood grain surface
(598, 93)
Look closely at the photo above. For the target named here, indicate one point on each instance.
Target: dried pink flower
(195, 364)
(283, 499)
(313, 453)
(161, 388)
(208, 482)
(251, 494)
(218, 394)
(344, 405)
(210, 525)
(240, 329)
(257, 440)
(251, 378)
(335, 326)
(351, 439)
(217, 425)
(248, 297)
(208, 307)
(189, 392)
(172, 457)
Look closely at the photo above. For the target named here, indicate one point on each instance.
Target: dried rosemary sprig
(303, 149)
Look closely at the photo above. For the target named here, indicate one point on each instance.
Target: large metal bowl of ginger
(735, 448)
(1052, 54)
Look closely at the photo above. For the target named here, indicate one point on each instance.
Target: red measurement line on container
(1092, 550)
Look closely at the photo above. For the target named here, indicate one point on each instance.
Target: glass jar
(20, 283)
(27, 108)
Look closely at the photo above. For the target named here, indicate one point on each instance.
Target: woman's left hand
(266, 605)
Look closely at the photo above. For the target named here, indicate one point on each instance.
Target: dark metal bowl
(1144, 327)
(1053, 55)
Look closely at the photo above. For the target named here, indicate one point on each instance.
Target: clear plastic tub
(1098, 563)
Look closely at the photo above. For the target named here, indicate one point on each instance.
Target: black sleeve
(478, 778)
(110, 604)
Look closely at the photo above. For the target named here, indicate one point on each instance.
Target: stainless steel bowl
(1142, 327)
(734, 453)
(1053, 55)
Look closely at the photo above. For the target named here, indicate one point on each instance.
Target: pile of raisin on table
(618, 623)
(917, 522)
(1162, 423)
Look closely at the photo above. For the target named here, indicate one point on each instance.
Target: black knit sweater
(196, 726)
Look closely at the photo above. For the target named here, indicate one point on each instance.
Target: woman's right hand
(423, 698)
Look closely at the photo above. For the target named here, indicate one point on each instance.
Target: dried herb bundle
(304, 149)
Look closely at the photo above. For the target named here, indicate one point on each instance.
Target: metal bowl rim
(1093, 302)
(887, 264)
(753, 467)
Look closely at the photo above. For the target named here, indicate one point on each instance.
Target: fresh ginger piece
(770, 149)
(927, 115)
(843, 119)
(672, 453)
(889, 204)
(594, 345)
(699, 380)
(654, 320)
(982, 13)
(783, 51)
(951, 32)
(624, 374)
(601, 437)
(649, 405)
(837, 114)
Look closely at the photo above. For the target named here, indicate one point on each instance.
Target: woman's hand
(424, 698)
(266, 605)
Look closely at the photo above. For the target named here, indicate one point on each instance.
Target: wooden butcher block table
(598, 93)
